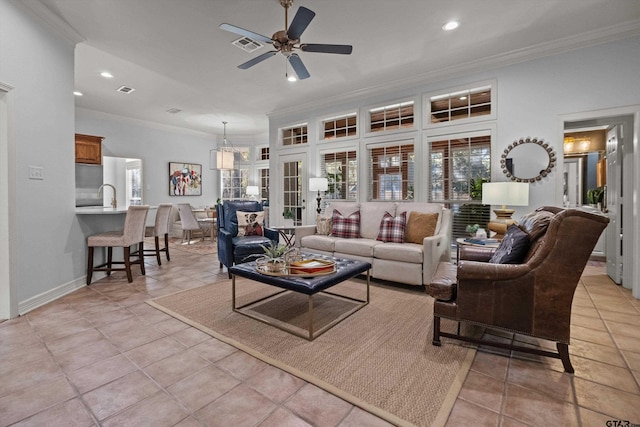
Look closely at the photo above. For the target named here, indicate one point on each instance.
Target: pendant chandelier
(224, 154)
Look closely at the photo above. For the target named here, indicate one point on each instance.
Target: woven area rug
(380, 358)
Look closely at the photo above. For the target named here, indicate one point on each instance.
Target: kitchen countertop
(100, 210)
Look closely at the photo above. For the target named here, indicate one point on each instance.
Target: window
(458, 166)
(462, 104)
(341, 170)
(263, 153)
(394, 116)
(264, 183)
(340, 127)
(234, 183)
(294, 135)
(134, 181)
(391, 172)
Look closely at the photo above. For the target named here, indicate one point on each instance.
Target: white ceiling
(174, 55)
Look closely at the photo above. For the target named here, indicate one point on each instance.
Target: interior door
(293, 170)
(614, 198)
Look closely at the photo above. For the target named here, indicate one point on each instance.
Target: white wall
(38, 64)
(156, 145)
(531, 97)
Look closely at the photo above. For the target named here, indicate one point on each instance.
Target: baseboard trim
(46, 297)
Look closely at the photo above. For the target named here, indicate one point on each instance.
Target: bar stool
(133, 233)
(160, 229)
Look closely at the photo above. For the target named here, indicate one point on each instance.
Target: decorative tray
(306, 268)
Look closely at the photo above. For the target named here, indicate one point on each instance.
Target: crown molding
(38, 10)
(586, 39)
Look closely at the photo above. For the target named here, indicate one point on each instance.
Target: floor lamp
(318, 184)
(504, 193)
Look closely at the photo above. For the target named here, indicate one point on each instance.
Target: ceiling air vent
(125, 89)
(247, 44)
(173, 110)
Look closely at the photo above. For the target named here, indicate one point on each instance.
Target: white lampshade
(252, 190)
(505, 193)
(318, 184)
(224, 160)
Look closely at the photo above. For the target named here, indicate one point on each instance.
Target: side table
(287, 233)
(460, 241)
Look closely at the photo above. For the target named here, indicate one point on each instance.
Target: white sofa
(408, 263)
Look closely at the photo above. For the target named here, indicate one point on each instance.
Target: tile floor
(101, 356)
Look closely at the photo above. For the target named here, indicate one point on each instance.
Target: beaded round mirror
(527, 160)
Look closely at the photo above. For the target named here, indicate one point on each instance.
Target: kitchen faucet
(114, 201)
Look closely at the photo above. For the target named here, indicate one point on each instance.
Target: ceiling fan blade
(250, 63)
(298, 67)
(343, 49)
(300, 22)
(246, 33)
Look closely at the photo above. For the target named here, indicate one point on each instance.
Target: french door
(293, 171)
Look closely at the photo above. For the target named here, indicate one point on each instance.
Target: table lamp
(504, 193)
(318, 184)
(252, 191)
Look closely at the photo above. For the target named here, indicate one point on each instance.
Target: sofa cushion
(359, 247)
(346, 208)
(347, 227)
(420, 225)
(323, 225)
(371, 214)
(319, 242)
(404, 252)
(513, 248)
(392, 228)
(250, 223)
(423, 207)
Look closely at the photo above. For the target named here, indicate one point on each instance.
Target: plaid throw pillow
(348, 228)
(392, 228)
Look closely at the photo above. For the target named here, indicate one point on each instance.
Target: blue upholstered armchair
(234, 249)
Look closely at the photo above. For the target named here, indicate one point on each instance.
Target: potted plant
(594, 196)
(272, 260)
(471, 229)
(287, 215)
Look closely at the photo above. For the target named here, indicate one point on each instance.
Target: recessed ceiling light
(77, 93)
(106, 75)
(451, 25)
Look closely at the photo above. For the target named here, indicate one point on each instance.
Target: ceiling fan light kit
(287, 41)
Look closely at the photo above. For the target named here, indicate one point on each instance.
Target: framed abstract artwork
(185, 179)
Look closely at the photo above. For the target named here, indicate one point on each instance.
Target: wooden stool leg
(166, 246)
(89, 265)
(141, 257)
(109, 259)
(127, 263)
(157, 239)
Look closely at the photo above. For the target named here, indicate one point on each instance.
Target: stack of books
(478, 241)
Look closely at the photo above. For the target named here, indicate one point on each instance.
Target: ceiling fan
(288, 40)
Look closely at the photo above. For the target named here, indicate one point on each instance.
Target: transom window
(341, 170)
(394, 116)
(263, 153)
(340, 127)
(391, 172)
(295, 135)
(458, 105)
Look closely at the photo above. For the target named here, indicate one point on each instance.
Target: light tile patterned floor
(101, 356)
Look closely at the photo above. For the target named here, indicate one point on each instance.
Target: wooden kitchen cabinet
(89, 149)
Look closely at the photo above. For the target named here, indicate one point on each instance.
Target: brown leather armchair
(532, 298)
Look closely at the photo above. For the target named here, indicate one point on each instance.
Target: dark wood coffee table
(345, 269)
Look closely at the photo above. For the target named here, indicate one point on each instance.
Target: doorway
(607, 181)
(8, 302)
(293, 171)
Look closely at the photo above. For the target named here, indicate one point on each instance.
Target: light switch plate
(36, 172)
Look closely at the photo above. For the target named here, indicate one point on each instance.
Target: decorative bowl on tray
(312, 266)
